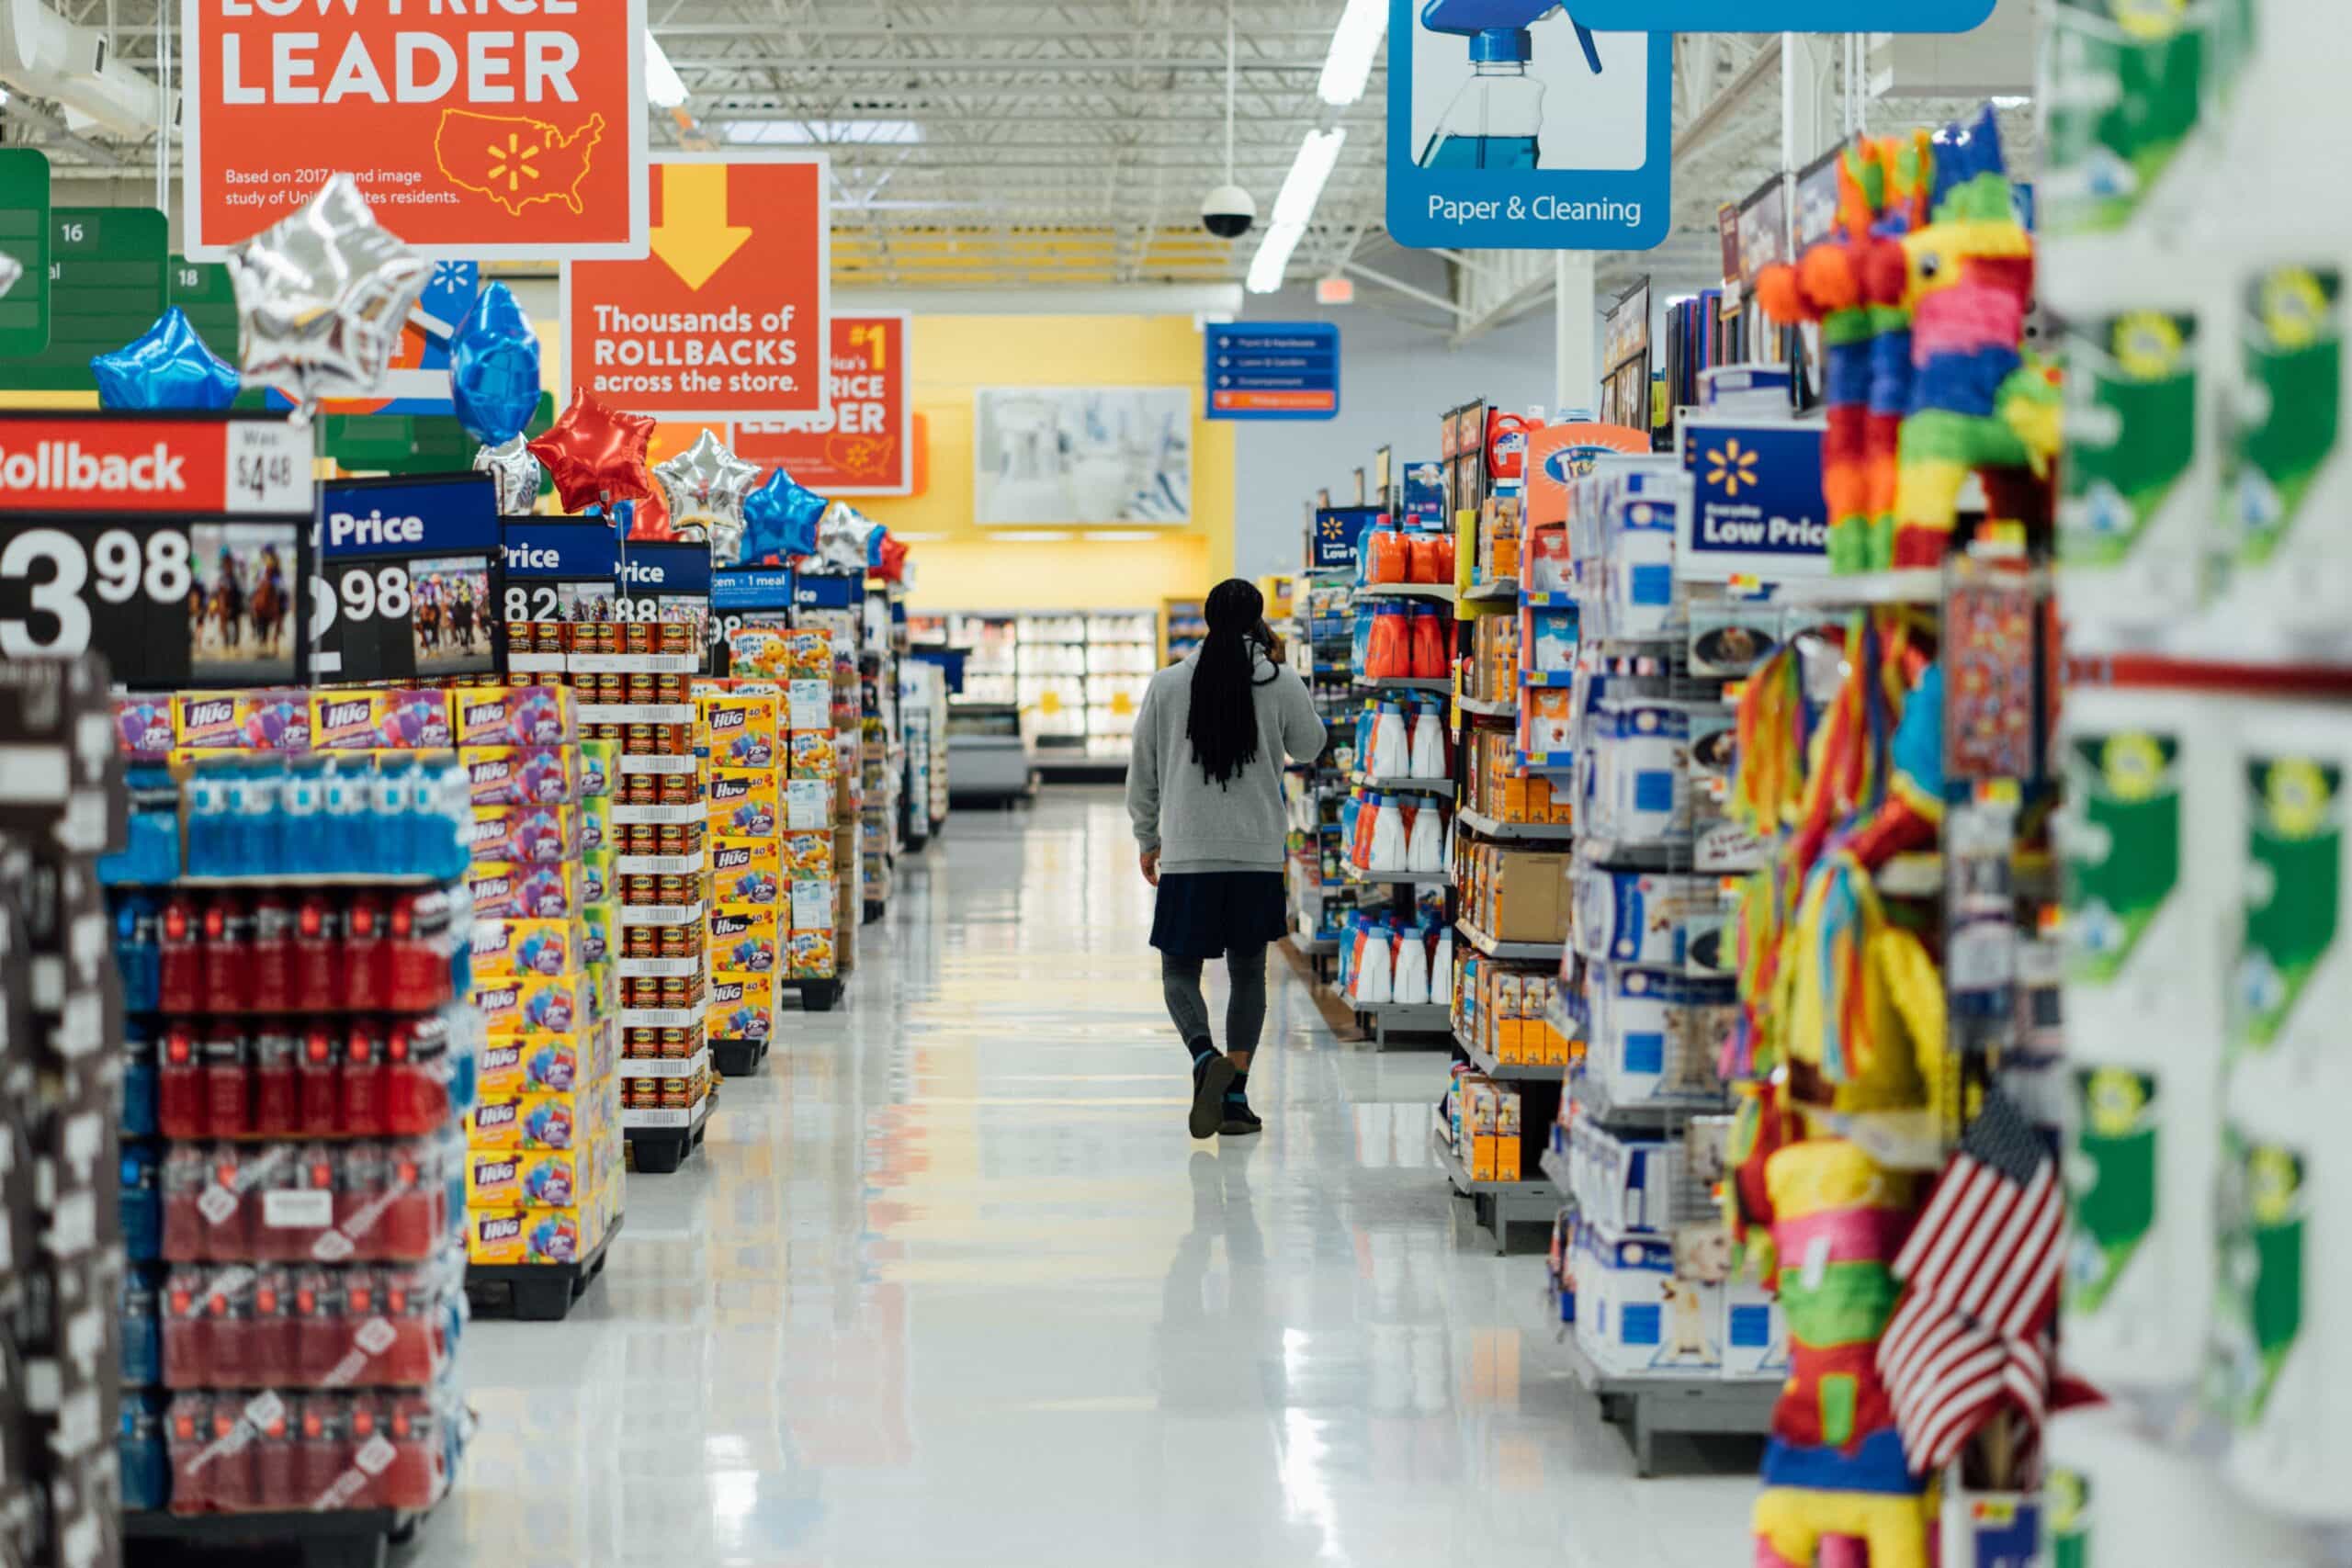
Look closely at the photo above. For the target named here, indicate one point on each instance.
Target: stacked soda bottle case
(60, 1247)
(542, 1158)
(299, 1058)
(754, 865)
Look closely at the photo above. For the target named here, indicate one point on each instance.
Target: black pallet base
(816, 996)
(360, 1537)
(739, 1058)
(535, 1292)
(658, 1151)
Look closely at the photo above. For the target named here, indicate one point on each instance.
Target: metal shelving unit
(1495, 947)
(1493, 827)
(1498, 1204)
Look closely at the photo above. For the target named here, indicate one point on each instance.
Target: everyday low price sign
(865, 444)
(729, 317)
(475, 130)
(1756, 509)
(408, 579)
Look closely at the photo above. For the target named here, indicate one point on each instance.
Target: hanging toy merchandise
(323, 298)
(1497, 121)
(168, 367)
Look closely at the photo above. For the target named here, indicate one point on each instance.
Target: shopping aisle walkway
(949, 1283)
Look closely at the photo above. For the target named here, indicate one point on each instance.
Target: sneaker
(1238, 1117)
(1211, 1078)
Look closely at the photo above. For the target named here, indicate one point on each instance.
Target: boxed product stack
(298, 963)
(1504, 1015)
(837, 755)
(1489, 1126)
(752, 861)
(61, 1006)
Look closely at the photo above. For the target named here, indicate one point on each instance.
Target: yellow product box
(814, 754)
(535, 1064)
(598, 919)
(1479, 1109)
(529, 1179)
(529, 835)
(809, 955)
(760, 652)
(739, 1007)
(596, 823)
(1508, 1128)
(808, 854)
(509, 947)
(514, 715)
(599, 875)
(740, 731)
(506, 889)
(503, 1237)
(534, 1118)
(742, 802)
(271, 720)
(745, 940)
(599, 765)
(397, 719)
(1506, 1015)
(521, 775)
(745, 871)
(810, 652)
(533, 1004)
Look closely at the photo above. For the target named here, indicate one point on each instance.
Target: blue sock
(1203, 1054)
(1239, 1093)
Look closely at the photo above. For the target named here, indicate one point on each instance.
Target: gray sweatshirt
(1197, 825)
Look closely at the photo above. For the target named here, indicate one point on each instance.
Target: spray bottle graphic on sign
(1495, 122)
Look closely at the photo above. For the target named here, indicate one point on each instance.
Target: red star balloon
(893, 565)
(597, 454)
(651, 520)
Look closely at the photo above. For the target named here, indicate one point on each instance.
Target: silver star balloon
(517, 474)
(11, 269)
(706, 484)
(845, 538)
(322, 296)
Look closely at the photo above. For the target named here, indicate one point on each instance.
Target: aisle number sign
(729, 317)
(24, 236)
(864, 445)
(505, 130)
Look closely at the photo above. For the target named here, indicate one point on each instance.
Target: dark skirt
(1202, 913)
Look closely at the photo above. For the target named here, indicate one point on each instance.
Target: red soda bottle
(232, 1465)
(323, 1454)
(186, 1173)
(272, 988)
(187, 1328)
(180, 962)
(228, 1312)
(360, 1212)
(276, 1461)
(364, 981)
(278, 1091)
(367, 1450)
(363, 1109)
(408, 1298)
(318, 1073)
(320, 1169)
(318, 954)
(271, 1352)
(227, 1207)
(227, 955)
(228, 1080)
(187, 1433)
(410, 1481)
(179, 1086)
(419, 963)
(319, 1333)
(417, 1095)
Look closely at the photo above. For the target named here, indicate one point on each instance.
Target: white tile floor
(948, 1283)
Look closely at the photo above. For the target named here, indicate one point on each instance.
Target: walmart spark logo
(513, 163)
(1334, 530)
(1730, 467)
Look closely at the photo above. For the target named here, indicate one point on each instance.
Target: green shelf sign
(23, 234)
(107, 286)
(204, 292)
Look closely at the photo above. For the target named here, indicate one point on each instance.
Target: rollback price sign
(409, 580)
(174, 545)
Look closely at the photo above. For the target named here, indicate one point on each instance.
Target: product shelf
(664, 1068)
(1367, 780)
(1489, 708)
(662, 1139)
(1910, 585)
(1498, 1204)
(1515, 832)
(1594, 1100)
(1512, 1072)
(1504, 589)
(1537, 680)
(1441, 593)
(1494, 947)
(1441, 685)
(1646, 1406)
(1357, 877)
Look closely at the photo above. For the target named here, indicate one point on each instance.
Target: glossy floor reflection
(949, 1283)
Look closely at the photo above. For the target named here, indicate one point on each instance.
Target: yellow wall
(964, 569)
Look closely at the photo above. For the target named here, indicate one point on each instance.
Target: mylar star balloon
(11, 269)
(648, 518)
(516, 473)
(495, 368)
(322, 296)
(892, 565)
(726, 542)
(780, 520)
(167, 367)
(595, 454)
(706, 483)
(844, 539)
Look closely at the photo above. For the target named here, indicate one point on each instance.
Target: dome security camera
(1227, 212)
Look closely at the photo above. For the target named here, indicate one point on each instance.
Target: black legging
(1245, 1010)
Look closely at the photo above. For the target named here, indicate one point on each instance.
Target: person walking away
(1204, 790)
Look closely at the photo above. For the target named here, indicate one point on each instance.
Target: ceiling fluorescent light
(1272, 260)
(1303, 187)
(1353, 43)
(663, 87)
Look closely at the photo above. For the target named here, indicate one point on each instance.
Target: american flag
(1972, 1330)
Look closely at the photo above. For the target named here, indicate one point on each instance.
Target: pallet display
(881, 754)
(743, 726)
(825, 787)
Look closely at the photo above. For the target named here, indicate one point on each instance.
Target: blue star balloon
(780, 519)
(167, 367)
(494, 369)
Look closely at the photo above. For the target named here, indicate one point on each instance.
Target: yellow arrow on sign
(694, 239)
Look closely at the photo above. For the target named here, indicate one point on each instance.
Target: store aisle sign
(1787, 15)
(1756, 509)
(1513, 126)
(729, 316)
(1271, 369)
(865, 444)
(507, 132)
(407, 579)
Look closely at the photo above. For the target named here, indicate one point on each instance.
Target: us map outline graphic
(509, 148)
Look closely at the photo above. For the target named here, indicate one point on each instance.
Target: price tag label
(409, 580)
(268, 466)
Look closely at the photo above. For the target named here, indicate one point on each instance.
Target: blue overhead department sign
(1513, 125)
(1272, 370)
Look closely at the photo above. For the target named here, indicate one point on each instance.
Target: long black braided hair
(1223, 724)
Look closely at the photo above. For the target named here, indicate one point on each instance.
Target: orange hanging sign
(475, 131)
(864, 445)
(726, 318)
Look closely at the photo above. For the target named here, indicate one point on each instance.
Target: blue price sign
(1786, 16)
(1757, 506)
(1339, 533)
(407, 579)
(1512, 125)
(751, 588)
(1272, 370)
(814, 591)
